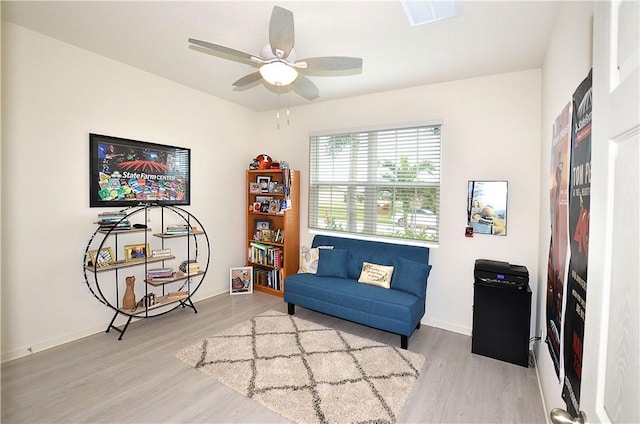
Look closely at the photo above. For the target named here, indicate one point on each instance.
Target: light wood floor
(99, 379)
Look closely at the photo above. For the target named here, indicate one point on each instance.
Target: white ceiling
(488, 38)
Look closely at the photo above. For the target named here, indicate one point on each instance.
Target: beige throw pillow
(377, 275)
(309, 258)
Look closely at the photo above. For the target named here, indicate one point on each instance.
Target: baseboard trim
(447, 326)
(71, 337)
(48, 344)
(547, 417)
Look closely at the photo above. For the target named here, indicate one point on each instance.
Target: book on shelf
(259, 245)
(190, 267)
(177, 229)
(111, 217)
(121, 226)
(160, 274)
(266, 255)
(271, 278)
(161, 279)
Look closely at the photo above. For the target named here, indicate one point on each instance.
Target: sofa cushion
(390, 310)
(332, 263)
(381, 249)
(309, 258)
(410, 276)
(377, 275)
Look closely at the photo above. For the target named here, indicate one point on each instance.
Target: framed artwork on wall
(487, 207)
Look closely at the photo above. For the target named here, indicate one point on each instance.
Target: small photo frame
(254, 187)
(277, 188)
(274, 206)
(136, 252)
(241, 280)
(263, 182)
(264, 199)
(104, 258)
(262, 224)
(158, 253)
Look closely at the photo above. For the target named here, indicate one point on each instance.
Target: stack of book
(113, 221)
(177, 229)
(159, 274)
(190, 267)
(268, 278)
(265, 254)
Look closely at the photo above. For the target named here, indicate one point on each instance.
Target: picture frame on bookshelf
(103, 258)
(254, 187)
(241, 280)
(263, 182)
(136, 252)
(278, 188)
(264, 199)
(274, 206)
(262, 224)
(264, 202)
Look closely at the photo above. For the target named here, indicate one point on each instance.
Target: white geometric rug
(306, 372)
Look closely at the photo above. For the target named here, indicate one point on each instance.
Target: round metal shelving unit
(104, 278)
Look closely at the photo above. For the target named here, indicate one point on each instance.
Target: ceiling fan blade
(330, 63)
(305, 88)
(281, 32)
(226, 50)
(248, 79)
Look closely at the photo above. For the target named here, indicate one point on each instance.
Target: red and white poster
(558, 246)
(579, 207)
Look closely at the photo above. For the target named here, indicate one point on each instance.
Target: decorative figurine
(129, 298)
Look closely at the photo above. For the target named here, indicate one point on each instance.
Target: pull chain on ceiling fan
(277, 60)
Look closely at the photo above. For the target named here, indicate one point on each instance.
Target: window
(379, 182)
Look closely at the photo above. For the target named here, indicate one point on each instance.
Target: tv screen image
(127, 172)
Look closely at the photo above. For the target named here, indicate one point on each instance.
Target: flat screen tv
(127, 172)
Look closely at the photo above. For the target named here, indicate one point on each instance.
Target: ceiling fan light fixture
(278, 73)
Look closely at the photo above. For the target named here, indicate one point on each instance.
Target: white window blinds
(382, 182)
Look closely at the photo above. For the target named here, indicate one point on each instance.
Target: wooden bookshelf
(288, 222)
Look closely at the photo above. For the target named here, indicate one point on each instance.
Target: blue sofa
(335, 290)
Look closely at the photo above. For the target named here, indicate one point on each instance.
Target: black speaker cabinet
(501, 320)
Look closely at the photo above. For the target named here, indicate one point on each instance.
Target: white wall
(54, 95)
(491, 130)
(567, 63)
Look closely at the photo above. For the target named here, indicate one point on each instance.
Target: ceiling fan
(277, 60)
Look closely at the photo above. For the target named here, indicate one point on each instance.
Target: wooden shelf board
(269, 290)
(168, 235)
(160, 301)
(131, 230)
(126, 264)
(179, 275)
